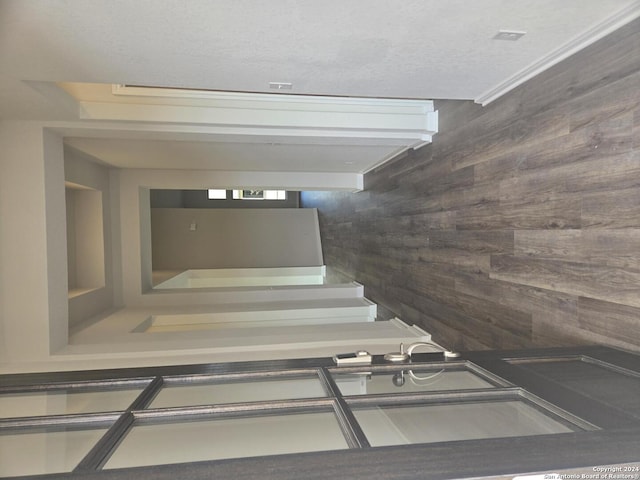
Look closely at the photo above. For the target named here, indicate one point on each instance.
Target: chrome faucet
(413, 346)
(403, 356)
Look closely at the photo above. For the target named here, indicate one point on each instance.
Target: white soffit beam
(204, 179)
(289, 115)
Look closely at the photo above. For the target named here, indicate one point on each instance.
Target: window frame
(211, 195)
(241, 195)
(615, 440)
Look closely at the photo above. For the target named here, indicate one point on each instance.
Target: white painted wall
(34, 306)
(33, 273)
(56, 239)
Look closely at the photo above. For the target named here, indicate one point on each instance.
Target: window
(275, 195)
(260, 194)
(444, 422)
(594, 379)
(171, 415)
(228, 437)
(217, 194)
(220, 194)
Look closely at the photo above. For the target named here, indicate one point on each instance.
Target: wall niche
(85, 239)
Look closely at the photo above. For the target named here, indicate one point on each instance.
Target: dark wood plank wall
(519, 226)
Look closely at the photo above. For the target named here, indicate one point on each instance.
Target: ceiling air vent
(509, 35)
(281, 85)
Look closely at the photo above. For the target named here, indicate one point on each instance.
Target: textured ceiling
(422, 49)
(412, 49)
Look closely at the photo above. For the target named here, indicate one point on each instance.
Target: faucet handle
(432, 344)
(405, 355)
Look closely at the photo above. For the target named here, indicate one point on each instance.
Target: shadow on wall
(189, 238)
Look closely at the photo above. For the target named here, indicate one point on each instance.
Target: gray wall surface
(232, 238)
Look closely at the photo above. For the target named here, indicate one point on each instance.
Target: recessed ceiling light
(280, 85)
(510, 35)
